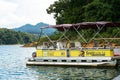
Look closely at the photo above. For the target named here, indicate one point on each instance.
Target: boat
(64, 52)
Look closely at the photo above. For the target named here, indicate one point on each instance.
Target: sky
(15, 13)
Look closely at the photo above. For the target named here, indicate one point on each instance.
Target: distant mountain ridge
(35, 29)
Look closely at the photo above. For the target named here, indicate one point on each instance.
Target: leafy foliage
(8, 36)
(76, 11)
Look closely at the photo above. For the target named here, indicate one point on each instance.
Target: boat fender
(34, 54)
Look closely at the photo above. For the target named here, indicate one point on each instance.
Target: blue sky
(14, 13)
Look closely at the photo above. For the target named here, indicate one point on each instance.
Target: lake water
(13, 67)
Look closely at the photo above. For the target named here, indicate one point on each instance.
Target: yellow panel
(51, 53)
(45, 53)
(59, 53)
(75, 53)
(99, 52)
(39, 53)
(54, 53)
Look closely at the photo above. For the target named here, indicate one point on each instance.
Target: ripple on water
(12, 67)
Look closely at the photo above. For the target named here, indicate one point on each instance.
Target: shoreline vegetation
(32, 44)
(8, 37)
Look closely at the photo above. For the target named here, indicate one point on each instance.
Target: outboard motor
(33, 57)
(33, 54)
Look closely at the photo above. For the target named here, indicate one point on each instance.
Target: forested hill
(8, 36)
(35, 29)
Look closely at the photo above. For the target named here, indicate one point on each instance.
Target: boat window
(73, 60)
(45, 60)
(104, 60)
(54, 60)
(63, 60)
(94, 60)
(83, 60)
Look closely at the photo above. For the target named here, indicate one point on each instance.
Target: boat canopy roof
(84, 25)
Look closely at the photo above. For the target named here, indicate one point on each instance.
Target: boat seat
(61, 45)
(77, 45)
(72, 45)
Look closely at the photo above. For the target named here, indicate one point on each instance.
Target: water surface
(13, 67)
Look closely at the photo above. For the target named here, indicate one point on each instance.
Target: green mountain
(34, 29)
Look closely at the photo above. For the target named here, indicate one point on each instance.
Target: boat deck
(72, 61)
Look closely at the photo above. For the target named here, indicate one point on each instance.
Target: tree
(76, 11)
(8, 36)
(116, 10)
(98, 11)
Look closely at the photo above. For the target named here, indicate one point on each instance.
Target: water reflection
(74, 73)
(13, 67)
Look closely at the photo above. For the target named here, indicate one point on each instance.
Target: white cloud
(7, 6)
(24, 11)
